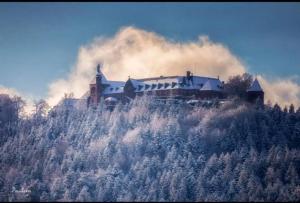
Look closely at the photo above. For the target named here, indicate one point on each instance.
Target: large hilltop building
(185, 87)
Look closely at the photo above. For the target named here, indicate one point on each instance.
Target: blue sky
(39, 42)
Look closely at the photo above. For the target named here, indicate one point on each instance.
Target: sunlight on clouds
(13, 92)
(141, 54)
(281, 91)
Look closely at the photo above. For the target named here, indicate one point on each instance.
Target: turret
(96, 88)
(255, 92)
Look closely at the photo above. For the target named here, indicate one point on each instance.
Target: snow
(114, 87)
(149, 152)
(131, 136)
(255, 87)
(111, 99)
(213, 85)
(165, 83)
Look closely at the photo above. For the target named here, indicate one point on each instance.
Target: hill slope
(148, 152)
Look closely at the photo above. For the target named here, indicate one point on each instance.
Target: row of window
(165, 85)
(159, 86)
(116, 89)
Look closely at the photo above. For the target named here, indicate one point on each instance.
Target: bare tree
(237, 85)
(41, 108)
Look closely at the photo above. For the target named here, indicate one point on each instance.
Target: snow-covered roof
(175, 82)
(164, 83)
(114, 87)
(111, 99)
(212, 85)
(255, 87)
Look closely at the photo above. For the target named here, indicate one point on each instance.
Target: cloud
(141, 54)
(281, 91)
(9, 91)
(13, 92)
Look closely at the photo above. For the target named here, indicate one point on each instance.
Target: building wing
(212, 85)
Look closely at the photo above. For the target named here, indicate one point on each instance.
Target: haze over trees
(147, 151)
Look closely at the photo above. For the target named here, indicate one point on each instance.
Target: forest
(148, 151)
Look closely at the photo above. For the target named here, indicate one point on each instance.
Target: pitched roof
(212, 85)
(163, 83)
(255, 87)
(175, 82)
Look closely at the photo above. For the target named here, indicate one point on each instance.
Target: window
(93, 90)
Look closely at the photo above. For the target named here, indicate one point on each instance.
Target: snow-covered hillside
(146, 151)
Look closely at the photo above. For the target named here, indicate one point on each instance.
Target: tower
(96, 89)
(255, 92)
(98, 84)
(129, 88)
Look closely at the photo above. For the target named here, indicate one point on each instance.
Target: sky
(40, 42)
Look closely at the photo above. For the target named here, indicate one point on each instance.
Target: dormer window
(140, 87)
(174, 84)
(159, 85)
(153, 86)
(166, 85)
(147, 87)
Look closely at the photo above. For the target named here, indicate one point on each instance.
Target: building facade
(185, 87)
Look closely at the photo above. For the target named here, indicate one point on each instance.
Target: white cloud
(281, 91)
(13, 92)
(9, 91)
(140, 54)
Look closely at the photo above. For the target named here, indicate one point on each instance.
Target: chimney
(188, 74)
